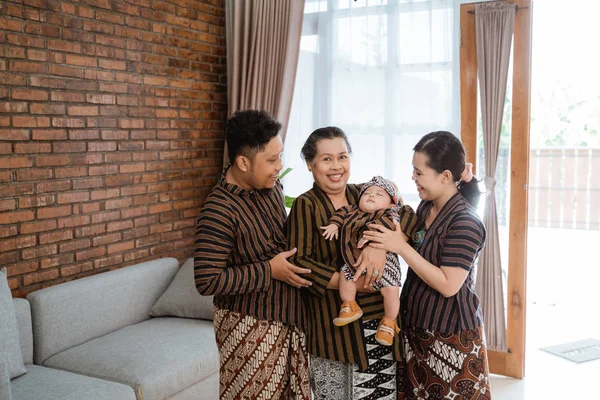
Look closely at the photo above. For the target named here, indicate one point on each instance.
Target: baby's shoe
(349, 312)
(386, 331)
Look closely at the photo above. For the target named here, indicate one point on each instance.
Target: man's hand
(372, 261)
(283, 271)
(330, 231)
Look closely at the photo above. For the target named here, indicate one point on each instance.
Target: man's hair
(248, 132)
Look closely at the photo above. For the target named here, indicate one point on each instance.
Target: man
(240, 259)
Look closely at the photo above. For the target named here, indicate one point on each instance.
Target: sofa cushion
(10, 346)
(72, 313)
(23, 312)
(51, 384)
(181, 299)
(5, 393)
(158, 357)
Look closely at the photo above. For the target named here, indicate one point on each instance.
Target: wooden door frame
(512, 362)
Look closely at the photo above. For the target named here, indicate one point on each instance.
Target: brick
(118, 203)
(108, 261)
(101, 98)
(7, 205)
(72, 97)
(136, 255)
(115, 135)
(70, 222)
(61, 45)
(118, 226)
(83, 110)
(55, 83)
(27, 67)
(88, 183)
(86, 208)
(155, 80)
(53, 212)
(93, 230)
(10, 24)
(159, 208)
(73, 245)
(40, 277)
(104, 170)
(86, 159)
(81, 60)
(106, 239)
(84, 134)
(33, 174)
(68, 122)
(31, 122)
(15, 162)
(43, 30)
(133, 212)
(61, 259)
(105, 194)
(54, 237)
(73, 197)
(36, 201)
(69, 147)
(52, 134)
(17, 243)
(61, 70)
(8, 231)
(40, 251)
(29, 94)
(102, 146)
(13, 107)
(51, 161)
(70, 172)
(12, 52)
(113, 65)
(120, 247)
(89, 254)
(29, 148)
(136, 233)
(54, 186)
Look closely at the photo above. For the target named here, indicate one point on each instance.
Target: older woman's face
(331, 166)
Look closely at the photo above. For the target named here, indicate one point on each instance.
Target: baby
(378, 204)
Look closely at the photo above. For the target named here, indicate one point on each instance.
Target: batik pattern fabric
(392, 274)
(443, 366)
(260, 359)
(332, 380)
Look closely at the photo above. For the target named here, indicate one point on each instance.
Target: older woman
(346, 362)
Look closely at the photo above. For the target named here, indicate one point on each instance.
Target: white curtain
(386, 72)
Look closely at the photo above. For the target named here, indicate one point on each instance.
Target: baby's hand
(330, 231)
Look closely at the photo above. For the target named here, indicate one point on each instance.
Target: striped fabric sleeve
(300, 234)
(338, 217)
(215, 238)
(385, 218)
(463, 240)
(407, 219)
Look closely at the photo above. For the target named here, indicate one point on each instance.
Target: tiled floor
(548, 377)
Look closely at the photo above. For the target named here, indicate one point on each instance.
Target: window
(386, 72)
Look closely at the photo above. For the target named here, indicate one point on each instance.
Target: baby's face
(373, 199)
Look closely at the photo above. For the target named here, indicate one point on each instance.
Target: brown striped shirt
(454, 239)
(352, 222)
(310, 212)
(238, 232)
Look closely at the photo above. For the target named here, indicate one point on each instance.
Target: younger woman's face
(331, 166)
(430, 184)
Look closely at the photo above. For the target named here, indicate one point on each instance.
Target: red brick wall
(111, 126)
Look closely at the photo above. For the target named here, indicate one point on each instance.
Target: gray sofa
(93, 338)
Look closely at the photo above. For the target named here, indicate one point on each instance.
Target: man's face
(266, 165)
